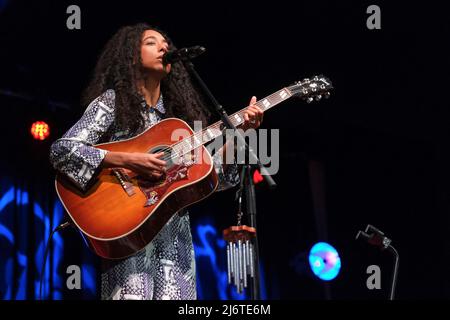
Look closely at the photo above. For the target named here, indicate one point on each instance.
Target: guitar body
(121, 212)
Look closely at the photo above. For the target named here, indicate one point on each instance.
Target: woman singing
(131, 90)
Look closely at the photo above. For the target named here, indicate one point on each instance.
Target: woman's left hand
(253, 116)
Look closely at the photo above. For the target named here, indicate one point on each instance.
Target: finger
(157, 174)
(155, 163)
(255, 108)
(152, 176)
(153, 167)
(158, 162)
(159, 154)
(257, 111)
(251, 109)
(252, 100)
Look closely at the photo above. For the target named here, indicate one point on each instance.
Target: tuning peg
(309, 100)
(318, 97)
(316, 78)
(326, 95)
(306, 80)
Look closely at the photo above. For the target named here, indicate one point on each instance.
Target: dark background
(381, 139)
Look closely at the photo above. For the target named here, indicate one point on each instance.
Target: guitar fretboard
(215, 130)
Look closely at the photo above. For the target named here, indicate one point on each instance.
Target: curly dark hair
(115, 70)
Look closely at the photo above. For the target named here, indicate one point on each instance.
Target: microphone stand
(249, 186)
(375, 237)
(251, 210)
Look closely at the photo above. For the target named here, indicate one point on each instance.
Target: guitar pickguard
(155, 190)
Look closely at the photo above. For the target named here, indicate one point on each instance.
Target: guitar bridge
(124, 181)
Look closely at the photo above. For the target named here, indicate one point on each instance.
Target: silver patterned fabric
(165, 269)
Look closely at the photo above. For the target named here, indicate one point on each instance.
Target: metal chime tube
(247, 254)
(236, 266)
(252, 267)
(244, 255)
(241, 276)
(229, 262)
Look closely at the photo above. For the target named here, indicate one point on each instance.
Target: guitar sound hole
(167, 154)
(171, 158)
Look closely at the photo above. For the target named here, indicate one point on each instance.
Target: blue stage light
(324, 261)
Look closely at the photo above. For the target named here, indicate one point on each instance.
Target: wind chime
(240, 255)
(240, 251)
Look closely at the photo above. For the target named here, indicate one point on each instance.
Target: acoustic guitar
(122, 212)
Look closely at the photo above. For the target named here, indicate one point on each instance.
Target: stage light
(257, 177)
(324, 261)
(40, 130)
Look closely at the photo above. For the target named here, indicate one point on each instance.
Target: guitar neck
(215, 130)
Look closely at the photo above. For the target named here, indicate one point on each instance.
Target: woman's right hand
(146, 164)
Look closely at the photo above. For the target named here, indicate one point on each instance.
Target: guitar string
(197, 135)
(217, 126)
(175, 155)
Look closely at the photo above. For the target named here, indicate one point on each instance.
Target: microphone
(183, 54)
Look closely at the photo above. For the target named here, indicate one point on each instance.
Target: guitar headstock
(316, 88)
